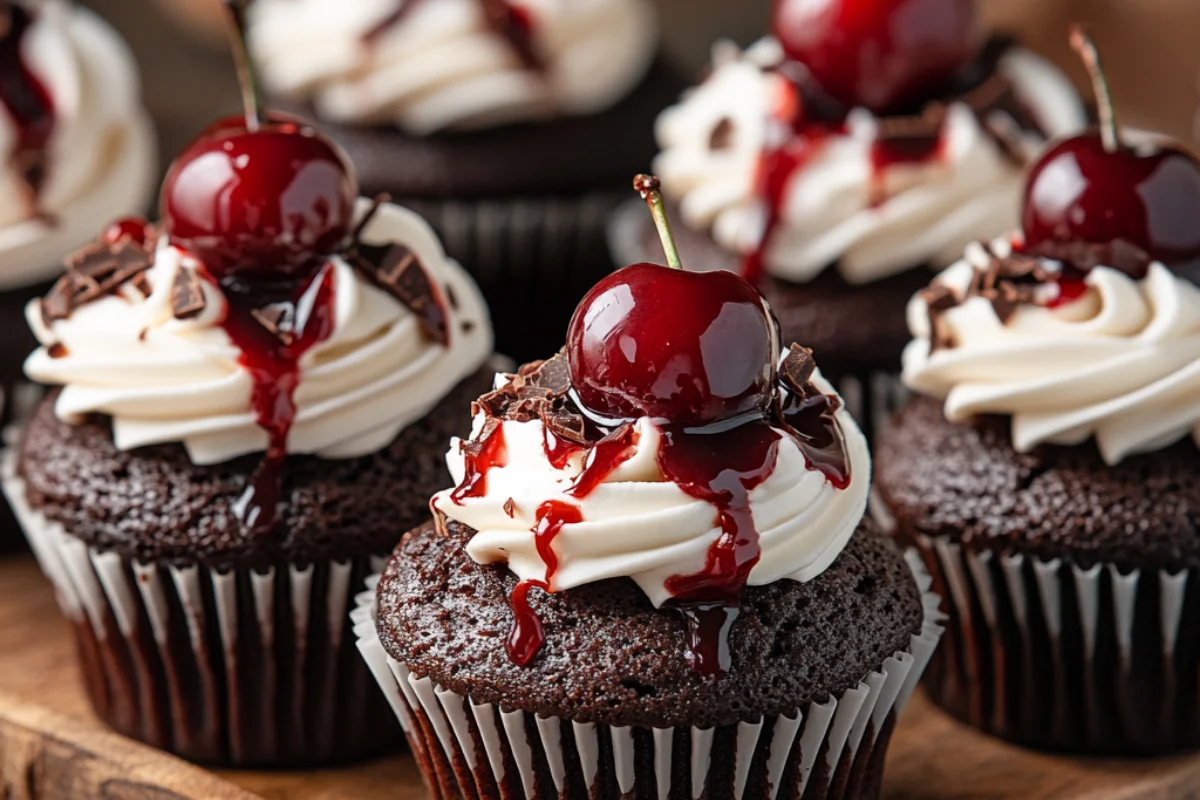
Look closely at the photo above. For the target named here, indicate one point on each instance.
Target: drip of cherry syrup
(493, 452)
(273, 362)
(802, 126)
(513, 22)
(527, 634)
(27, 101)
(262, 202)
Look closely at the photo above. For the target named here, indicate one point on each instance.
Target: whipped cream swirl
(1121, 362)
(841, 206)
(100, 160)
(164, 379)
(637, 524)
(442, 66)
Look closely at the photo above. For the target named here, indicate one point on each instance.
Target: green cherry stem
(650, 188)
(251, 96)
(1090, 55)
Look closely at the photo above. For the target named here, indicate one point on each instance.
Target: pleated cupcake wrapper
(1052, 654)
(239, 667)
(470, 749)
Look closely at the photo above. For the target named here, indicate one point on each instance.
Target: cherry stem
(251, 96)
(650, 188)
(1090, 55)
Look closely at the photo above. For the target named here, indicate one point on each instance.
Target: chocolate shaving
(97, 270)
(278, 319)
(939, 299)
(397, 270)
(187, 295)
(510, 507)
(538, 391)
(473, 448)
(797, 370)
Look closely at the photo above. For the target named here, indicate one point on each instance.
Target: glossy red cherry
(1147, 198)
(1131, 204)
(885, 55)
(269, 201)
(691, 348)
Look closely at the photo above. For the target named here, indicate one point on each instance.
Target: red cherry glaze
(884, 55)
(693, 348)
(492, 452)
(604, 458)
(527, 634)
(273, 363)
(268, 202)
(1142, 198)
(27, 101)
(132, 229)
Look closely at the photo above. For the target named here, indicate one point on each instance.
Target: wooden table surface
(53, 748)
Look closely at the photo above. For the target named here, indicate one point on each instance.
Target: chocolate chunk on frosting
(397, 270)
(97, 270)
(538, 391)
(187, 295)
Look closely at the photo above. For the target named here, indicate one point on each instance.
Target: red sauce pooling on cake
(272, 360)
(528, 635)
(27, 101)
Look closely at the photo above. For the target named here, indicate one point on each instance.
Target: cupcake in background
(253, 404)
(512, 125)
(76, 150)
(641, 590)
(1047, 473)
(833, 164)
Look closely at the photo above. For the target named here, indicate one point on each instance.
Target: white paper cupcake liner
(831, 749)
(1054, 655)
(239, 668)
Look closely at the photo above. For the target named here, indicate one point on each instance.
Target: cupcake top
(140, 330)
(274, 311)
(1087, 323)
(454, 64)
(683, 450)
(798, 168)
(77, 146)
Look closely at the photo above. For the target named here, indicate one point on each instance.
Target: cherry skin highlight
(884, 55)
(271, 202)
(691, 348)
(1147, 198)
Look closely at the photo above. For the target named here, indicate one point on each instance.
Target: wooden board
(51, 746)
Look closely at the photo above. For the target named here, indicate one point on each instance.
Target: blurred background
(1149, 46)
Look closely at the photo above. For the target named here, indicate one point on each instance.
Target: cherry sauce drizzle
(803, 125)
(513, 22)
(28, 102)
(492, 453)
(306, 310)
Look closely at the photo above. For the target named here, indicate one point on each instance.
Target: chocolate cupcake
(653, 586)
(252, 406)
(835, 167)
(79, 148)
(1053, 495)
(513, 127)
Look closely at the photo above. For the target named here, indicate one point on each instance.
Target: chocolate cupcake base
(828, 749)
(1055, 656)
(239, 668)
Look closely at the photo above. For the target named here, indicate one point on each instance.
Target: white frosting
(164, 379)
(638, 524)
(101, 156)
(930, 212)
(443, 67)
(1121, 363)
